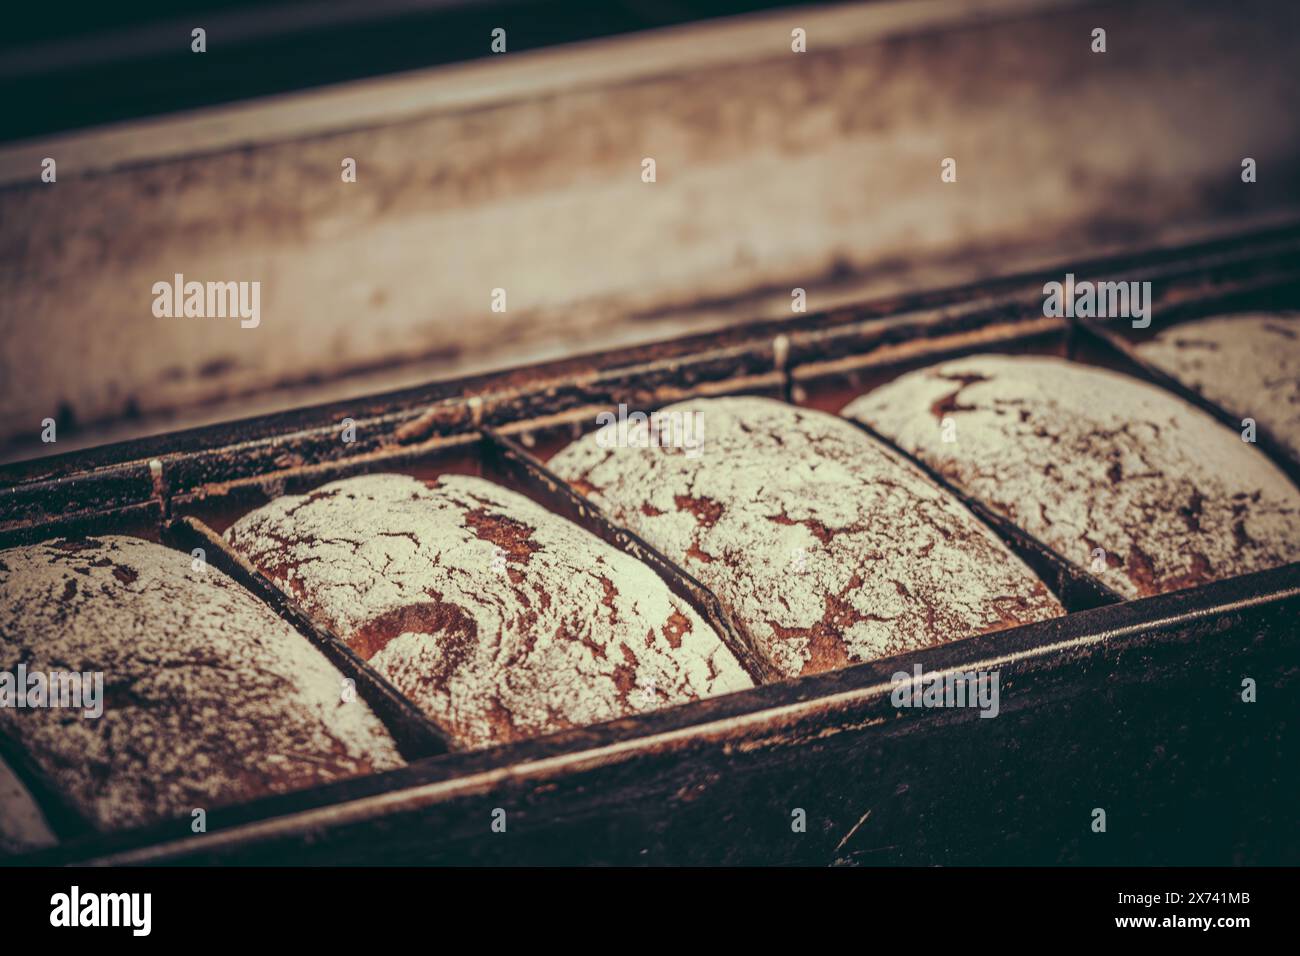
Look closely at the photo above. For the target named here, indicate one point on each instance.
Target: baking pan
(1132, 707)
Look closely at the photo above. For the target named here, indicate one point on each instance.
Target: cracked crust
(498, 618)
(209, 697)
(1248, 364)
(825, 546)
(1084, 458)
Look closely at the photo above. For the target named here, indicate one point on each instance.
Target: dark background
(62, 66)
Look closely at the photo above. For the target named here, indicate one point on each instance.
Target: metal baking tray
(1132, 707)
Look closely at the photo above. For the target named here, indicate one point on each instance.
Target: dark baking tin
(1132, 707)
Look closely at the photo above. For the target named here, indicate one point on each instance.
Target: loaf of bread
(501, 620)
(208, 697)
(1115, 474)
(1247, 364)
(23, 826)
(826, 547)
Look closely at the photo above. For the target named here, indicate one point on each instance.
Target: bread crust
(498, 618)
(1248, 364)
(209, 697)
(825, 546)
(1085, 459)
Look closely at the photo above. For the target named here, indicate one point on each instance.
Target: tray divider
(1117, 346)
(1077, 590)
(64, 820)
(417, 736)
(124, 520)
(512, 460)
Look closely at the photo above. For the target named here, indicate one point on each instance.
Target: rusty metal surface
(873, 332)
(1132, 699)
(1130, 707)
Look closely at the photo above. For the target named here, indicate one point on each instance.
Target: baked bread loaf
(1086, 459)
(208, 697)
(826, 547)
(22, 824)
(501, 620)
(1248, 364)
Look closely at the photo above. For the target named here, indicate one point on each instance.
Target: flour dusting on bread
(210, 698)
(826, 546)
(498, 618)
(1093, 462)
